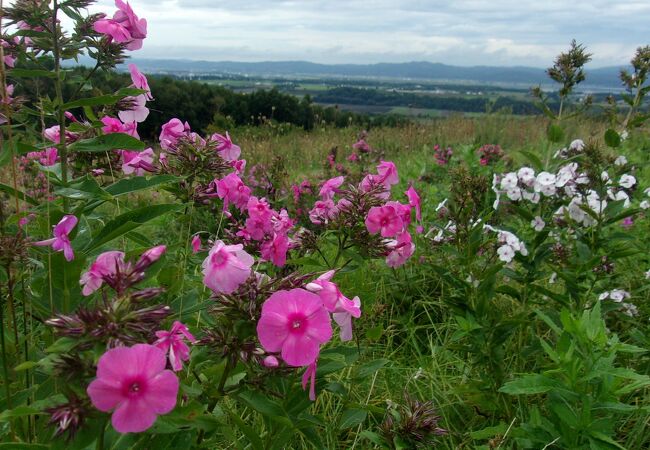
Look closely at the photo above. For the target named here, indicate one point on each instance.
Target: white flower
(629, 309)
(624, 135)
(538, 224)
(627, 181)
(622, 195)
(495, 182)
(647, 191)
(506, 253)
(471, 280)
(603, 296)
(509, 181)
(526, 175)
(618, 295)
(514, 194)
(644, 204)
(545, 183)
(620, 161)
(532, 197)
(604, 176)
(595, 203)
(553, 278)
(566, 174)
(647, 275)
(441, 205)
(578, 145)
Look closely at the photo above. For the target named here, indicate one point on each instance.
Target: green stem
(100, 438)
(5, 361)
(63, 150)
(224, 376)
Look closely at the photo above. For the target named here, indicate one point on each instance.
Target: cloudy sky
(461, 32)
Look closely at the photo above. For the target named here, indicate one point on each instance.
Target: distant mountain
(606, 77)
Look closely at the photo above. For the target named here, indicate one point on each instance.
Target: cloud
(466, 32)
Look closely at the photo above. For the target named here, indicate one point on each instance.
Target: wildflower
(171, 132)
(362, 146)
(627, 181)
(329, 187)
(628, 222)
(124, 28)
(620, 160)
(133, 382)
(310, 377)
(106, 264)
(294, 323)
(537, 223)
(414, 201)
(323, 211)
(271, 362)
(149, 257)
(69, 416)
(61, 240)
(226, 267)
(137, 162)
(645, 204)
(384, 219)
(275, 250)
(387, 172)
(402, 248)
(231, 189)
(137, 111)
(173, 341)
(196, 244)
(225, 147)
(140, 81)
(527, 176)
(545, 183)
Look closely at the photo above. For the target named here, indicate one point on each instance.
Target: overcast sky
(460, 32)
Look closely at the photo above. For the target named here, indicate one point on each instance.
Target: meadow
(467, 281)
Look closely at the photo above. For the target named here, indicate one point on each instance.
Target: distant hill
(606, 77)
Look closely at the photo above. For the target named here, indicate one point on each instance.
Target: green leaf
(107, 142)
(371, 367)
(26, 365)
(20, 411)
(612, 138)
(129, 185)
(16, 193)
(31, 73)
(529, 384)
(128, 221)
(85, 189)
(100, 100)
(351, 418)
(264, 405)
(555, 133)
(534, 160)
(489, 432)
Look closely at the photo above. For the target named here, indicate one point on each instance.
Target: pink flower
(137, 162)
(61, 241)
(401, 250)
(133, 382)
(414, 201)
(239, 166)
(171, 132)
(344, 318)
(384, 219)
(403, 211)
(227, 150)
(341, 307)
(628, 222)
(172, 341)
(362, 146)
(271, 362)
(112, 125)
(231, 189)
(137, 112)
(353, 157)
(387, 172)
(296, 324)
(329, 188)
(106, 264)
(54, 134)
(282, 223)
(323, 211)
(276, 250)
(226, 267)
(371, 182)
(150, 256)
(310, 377)
(140, 81)
(259, 222)
(124, 27)
(196, 244)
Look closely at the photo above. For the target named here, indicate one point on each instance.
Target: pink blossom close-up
(385, 220)
(171, 132)
(232, 190)
(275, 250)
(133, 383)
(173, 343)
(137, 162)
(124, 28)
(296, 324)
(140, 81)
(387, 172)
(226, 267)
(330, 187)
(106, 264)
(225, 147)
(401, 249)
(61, 239)
(414, 201)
